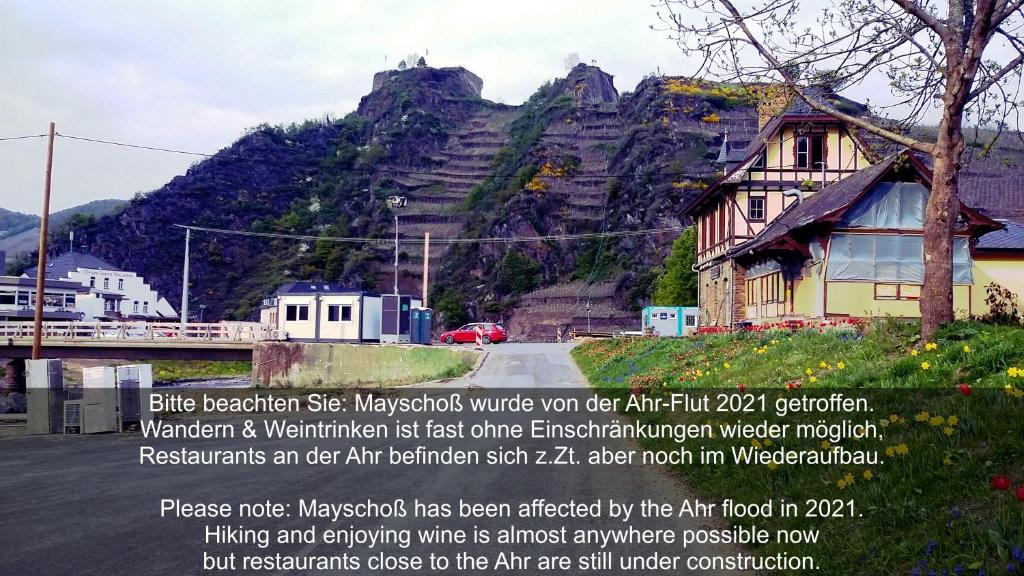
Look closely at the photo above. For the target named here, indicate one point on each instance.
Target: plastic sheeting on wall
(889, 205)
(889, 258)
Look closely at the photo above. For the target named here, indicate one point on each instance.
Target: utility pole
(394, 203)
(184, 285)
(396, 253)
(426, 266)
(44, 229)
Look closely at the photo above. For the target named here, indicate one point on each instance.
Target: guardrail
(141, 331)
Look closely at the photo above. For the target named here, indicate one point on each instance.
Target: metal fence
(141, 331)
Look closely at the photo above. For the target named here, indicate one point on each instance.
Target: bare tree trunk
(939, 221)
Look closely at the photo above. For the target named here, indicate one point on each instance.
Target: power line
(137, 146)
(24, 137)
(445, 241)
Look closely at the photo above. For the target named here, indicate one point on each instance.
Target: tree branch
(1002, 72)
(926, 18)
(814, 103)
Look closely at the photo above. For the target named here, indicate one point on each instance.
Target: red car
(493, 333)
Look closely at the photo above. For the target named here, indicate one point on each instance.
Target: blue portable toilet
(426, 326)
(414, 325)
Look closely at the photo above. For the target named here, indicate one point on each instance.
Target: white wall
(139, 298)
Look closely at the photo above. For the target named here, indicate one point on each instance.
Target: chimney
(3, 263)
(71, 243)
(772, 100)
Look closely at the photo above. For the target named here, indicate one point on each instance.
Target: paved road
(84, 506)
(522, 365)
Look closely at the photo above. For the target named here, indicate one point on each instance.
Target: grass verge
(927, 504)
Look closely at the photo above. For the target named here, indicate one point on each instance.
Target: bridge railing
(141, 331)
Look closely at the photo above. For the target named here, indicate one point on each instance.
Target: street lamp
(395, 202)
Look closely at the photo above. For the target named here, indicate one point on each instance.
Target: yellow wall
(858, 299)
(1007, 272)
(805, 292)
(781, 156)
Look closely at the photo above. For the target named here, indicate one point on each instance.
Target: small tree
(421, 63)
(402, 65)
(965, 62)
(517, 274)
(677, 283)
(449, 307)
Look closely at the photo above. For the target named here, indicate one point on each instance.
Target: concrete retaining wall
(322, 365)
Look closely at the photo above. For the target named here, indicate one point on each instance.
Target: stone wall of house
(715, 295)
(739, 293)
(721, 292)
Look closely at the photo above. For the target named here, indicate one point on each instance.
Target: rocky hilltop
(576, 157)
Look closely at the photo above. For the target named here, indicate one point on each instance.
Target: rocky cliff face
(575, 158)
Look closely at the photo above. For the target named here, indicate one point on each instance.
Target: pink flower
(1000, 482)
(965, 389)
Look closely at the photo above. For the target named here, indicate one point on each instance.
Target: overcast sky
(193, 75)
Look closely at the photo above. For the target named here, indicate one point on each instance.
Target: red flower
(1019, 492)
(965, 389)
(1000, 482)
(743, 388)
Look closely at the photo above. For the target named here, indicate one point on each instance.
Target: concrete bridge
(135, 340)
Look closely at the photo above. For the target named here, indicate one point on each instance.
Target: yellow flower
(808, 371)
(948, 430)
(775, 341)
(1012, 371)
(893, 417)
(931, 346)
(883, 423)
(937, 421)
(772, 465)
(922, 416)
(699, 373)
(890, 452)
(727, 365)
(767, 441)
(841, 484)
(812, 379)
(967, 349)
(901, 449)
(841, 365)
(947, 461)
(849, 478)
(1018, 393)
(822, 364)
(868, 474)
(825, 444)
(913, 352)
(925, 365)
(755, 443)
(952, 420)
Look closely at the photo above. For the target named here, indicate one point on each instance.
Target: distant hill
(19, 233)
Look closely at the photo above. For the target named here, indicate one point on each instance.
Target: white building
(18, 299)
(112, 294)
(325, 311)
(670, 320)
